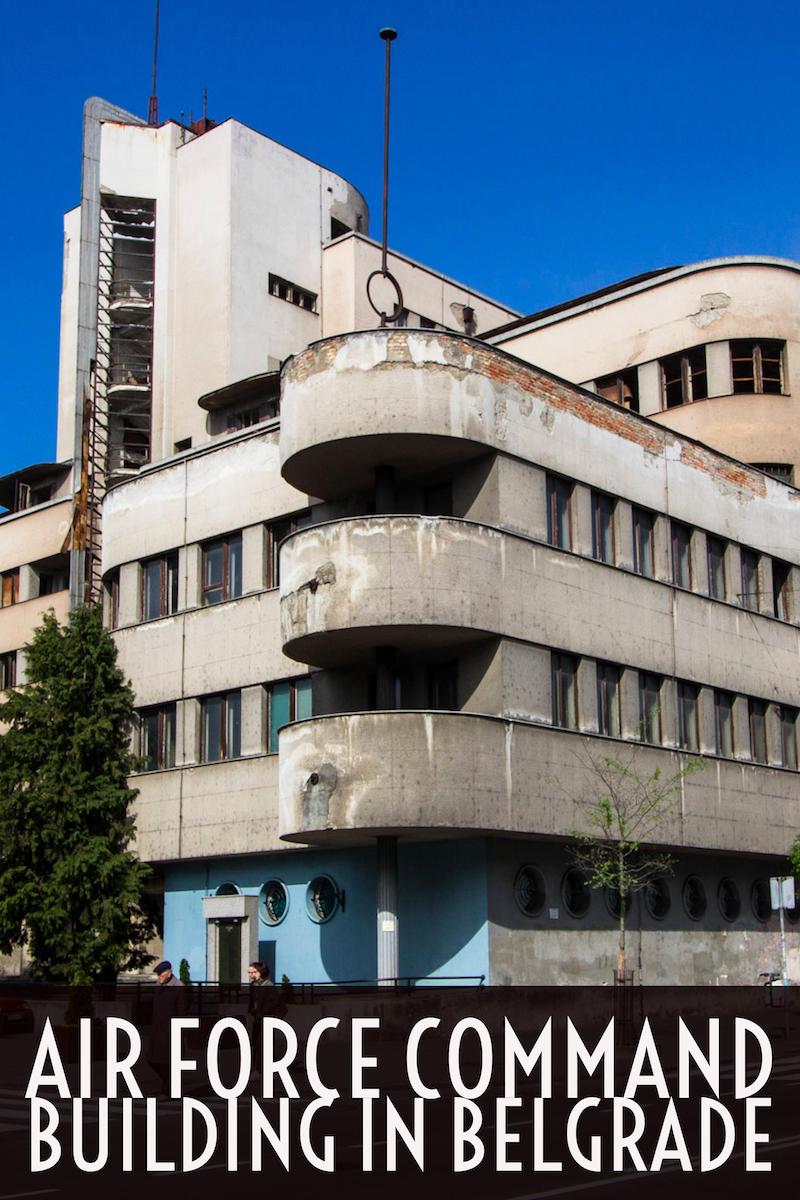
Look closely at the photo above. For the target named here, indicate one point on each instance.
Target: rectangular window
(748, 597)
(157, 737)
(650, 706)
(159, 584)
(643, 537)
(622, 387)
(757, 714)
(289, 700)
(222, 569)
(788, 719)
(8, 669)
(559, 493)
(715, 558)
(283, 289)
(781, 589)
(112, 598)
(608, 699)
(245, 418)
(10, 588)
(564, 671)
(757, 366)
(683, 377)
(276, 531)
(688, 729)
(221, 726)
(443, 687)
(681, 538)
(723, 723)
(603, 507)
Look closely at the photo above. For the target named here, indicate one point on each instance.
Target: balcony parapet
(349, 778)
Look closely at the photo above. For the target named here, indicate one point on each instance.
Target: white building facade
(384, 594)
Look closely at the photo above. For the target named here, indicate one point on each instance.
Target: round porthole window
(613, 902)
(760, 900)
(322, 899)
(575, 893)
(227, 889)
(728, 899)
(694, 898)
(657, 898)
(273, 902)
(530, 892)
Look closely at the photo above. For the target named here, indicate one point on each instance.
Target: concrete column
(741, 728)
(587, 695)
(669, 713)
(629, 704)
(28, 583)
(718, 366)
(699, 562)
(253, 706)
(582, 520)
(623, 534)
(649, 388)
(774, 739)
(190, 581)
(706, 724)
(662, 554)
(733, 573)
(388, 933)
(189, 731)
(766, 603)
(129, 594)
(253, 574)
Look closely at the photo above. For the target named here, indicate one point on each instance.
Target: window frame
(228, 583)
(713, 592)
(601, 534)
(564, 689)
(681, 567)
(164, 757)
(724, 723)
(9, 668)
(442, 677)
(9, 588)
(757, 724)
(688, 705)
(167, 585)
(781, 589)
(650, 707)
(681, 369)
(749, 572)
(620, 387)
(230, 737)
(644, 540)
(272, 541)
(559, 490)
(609, 699)
(293, 692)
(787, 717)
(756, 357)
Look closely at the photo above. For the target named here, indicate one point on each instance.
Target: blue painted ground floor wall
(442, 900)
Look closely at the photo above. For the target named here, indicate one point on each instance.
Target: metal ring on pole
(398, 308)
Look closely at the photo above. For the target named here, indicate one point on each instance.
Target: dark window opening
(694, 898)
(530, 891)
(757, 716)
(283, 289)
(276, 531)
(650, 706)
(788, 722)
(657, 898)
(221, 727)
(159, 586)
(288, 700)
(8, 669)
(438, 500)
(782, 471)
(112, 595)
(684, 377)
(728, 900)
(781, 589)
(603, 508)
(183, 444)
(338, 228)
(559, 493)
(715, 558)
(748, 597)
(443, 686)
(564, 675)
(681, 539)
(760, 900)
(575, 893)
(757, 366)
(622, 387)
(643, 539)
(688, 727)
(157, 737)
(608, 699)
(723, 723)
(222, 570)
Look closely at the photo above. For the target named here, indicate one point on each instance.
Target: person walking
(171, 999)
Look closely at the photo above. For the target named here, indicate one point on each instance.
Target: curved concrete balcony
(350, 585)
(410, 399)
(347, 779)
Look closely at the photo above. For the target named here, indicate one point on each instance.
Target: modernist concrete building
(385, 594)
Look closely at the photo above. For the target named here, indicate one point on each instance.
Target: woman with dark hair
(263, 999)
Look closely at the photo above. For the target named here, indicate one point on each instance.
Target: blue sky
(540, 150)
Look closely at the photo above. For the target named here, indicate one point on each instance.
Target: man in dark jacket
(171, 999)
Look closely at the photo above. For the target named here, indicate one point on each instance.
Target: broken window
(157, 737)
(781, 589)
(723, 723)
(8, 669)
(683, 377)
(681, 538)
(159, 584)
(221, 726)
(757, 716)
(9, 593)
(715, 559)
(622, 387)
(283, 289)
(287, 701)
(608, 699)
(275, 532)
(757, 366)
(559, 494)
(688, 728)
(222, 569)
(564, 674)
(650, 706)
(443, 686)
(643, 541)
(603, 508)
(748, 597)
(788, 721)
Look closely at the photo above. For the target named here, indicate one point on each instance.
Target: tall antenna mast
(152, 107)
(388, 36)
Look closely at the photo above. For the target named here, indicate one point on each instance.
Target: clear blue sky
(540, 150)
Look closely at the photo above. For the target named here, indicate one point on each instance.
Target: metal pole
(152, 108)
(388, 35)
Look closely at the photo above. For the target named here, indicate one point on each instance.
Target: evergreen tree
(69, 886)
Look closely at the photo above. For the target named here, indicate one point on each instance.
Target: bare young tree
(623, 810)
